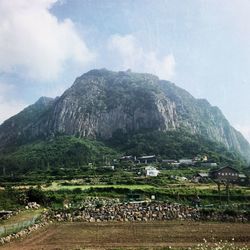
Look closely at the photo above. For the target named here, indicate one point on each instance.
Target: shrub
(36, 195)
(77, 190)
(230, 212)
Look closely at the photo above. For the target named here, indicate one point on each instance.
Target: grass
(57, 186)
(22, 216)
(181, 188)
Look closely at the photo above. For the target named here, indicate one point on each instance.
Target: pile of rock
(5, 215)
(220, 216)
(32, 205)
(145, 211)
(93, 202)
(43, 221)
(22, 233)
(128, 212)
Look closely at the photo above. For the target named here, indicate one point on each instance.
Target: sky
(200, 45)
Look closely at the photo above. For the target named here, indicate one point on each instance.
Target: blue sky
(201, 45)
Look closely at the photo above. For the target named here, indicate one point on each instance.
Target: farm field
(57, 186)
(187, 188)
(117, 235)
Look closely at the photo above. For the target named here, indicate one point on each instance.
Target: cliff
(102, 102)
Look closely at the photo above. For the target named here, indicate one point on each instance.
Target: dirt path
(131, 235)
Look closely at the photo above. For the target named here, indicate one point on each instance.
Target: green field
(22, 216)
(57, 186)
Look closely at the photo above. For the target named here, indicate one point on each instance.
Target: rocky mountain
(13, 130)
(102, 102)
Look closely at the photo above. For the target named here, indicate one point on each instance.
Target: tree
(36, 195)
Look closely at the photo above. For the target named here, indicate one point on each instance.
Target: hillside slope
(102, 102)
(12, 131)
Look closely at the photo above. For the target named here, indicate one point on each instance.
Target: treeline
(69, 152)
(173, 145)
(59, 152)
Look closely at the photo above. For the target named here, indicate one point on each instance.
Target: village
(212, 172)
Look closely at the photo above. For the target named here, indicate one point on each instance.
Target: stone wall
(152, 211)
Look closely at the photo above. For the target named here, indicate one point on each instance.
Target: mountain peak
(105, 72)
(44, 100)
(101, 103)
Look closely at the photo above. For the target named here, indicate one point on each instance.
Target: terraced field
(117, 235)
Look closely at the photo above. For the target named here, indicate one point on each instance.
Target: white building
(186, 161)
(151, 171)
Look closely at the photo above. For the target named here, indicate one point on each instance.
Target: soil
(120, 235)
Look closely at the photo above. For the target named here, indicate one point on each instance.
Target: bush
(77, 190)
(207, 211)
(36, 195)
(230, 212)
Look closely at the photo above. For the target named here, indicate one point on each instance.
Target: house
(208, 164)
(151, 171)
(227, 174)
(147, 159)
(200, 177)
(169, 161)
(179, 178)
(186, 161)
(166, 164)
(175, 164)
(243, 178)
(126, 158)
(204, 158)
(201, 158)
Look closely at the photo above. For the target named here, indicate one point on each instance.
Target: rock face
(102, 102)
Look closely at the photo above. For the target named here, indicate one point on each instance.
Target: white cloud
(245, 130)
(35, 42)
(132, 55)
(8, 106)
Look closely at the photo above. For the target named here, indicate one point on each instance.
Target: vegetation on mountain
(68, 152)
(176, 144)
(100, 102)
(106, 114)
(57, 153)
